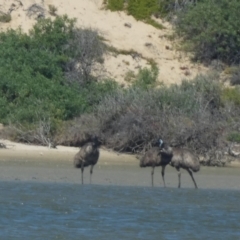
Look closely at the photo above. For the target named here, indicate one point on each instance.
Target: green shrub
(166, 7)
(115, 5)
(53, 34)
(146, 77)
(33, 70)
(142, 9)
(231, 95)
(139, 9)
(234, 137)
(95, 91)
(210, 29)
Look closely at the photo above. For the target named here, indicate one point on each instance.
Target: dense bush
(210, 29)
(193, 114)
(33, 83)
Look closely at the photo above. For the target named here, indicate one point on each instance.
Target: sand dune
(146, 40)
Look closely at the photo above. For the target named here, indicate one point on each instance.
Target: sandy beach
(22, 162)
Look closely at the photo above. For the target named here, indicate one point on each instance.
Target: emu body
(183, 158)
(153, 158)
(87, 156)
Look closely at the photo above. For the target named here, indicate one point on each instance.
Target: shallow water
(37, 210)
(117, 175)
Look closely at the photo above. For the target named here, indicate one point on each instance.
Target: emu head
(161, 143)
(95, 140)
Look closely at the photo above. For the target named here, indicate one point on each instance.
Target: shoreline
(20, 151)
(30, 163)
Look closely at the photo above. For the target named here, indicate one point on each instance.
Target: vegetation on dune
(37, 74)
(5, 17)
(115, 5)
(196, 114)
(210, 29)
(142, 9)
(139, 9)
(48, 94)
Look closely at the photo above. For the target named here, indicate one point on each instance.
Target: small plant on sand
(146, 78)
(5, 17)
(130, 76)
(126, 62)
(52, 10)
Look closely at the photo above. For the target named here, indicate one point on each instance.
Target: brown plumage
(182, 158)
(154, 157)
(87, 156)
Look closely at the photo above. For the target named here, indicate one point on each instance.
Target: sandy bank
(25, 152)
(21, 162)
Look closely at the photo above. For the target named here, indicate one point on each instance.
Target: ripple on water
(71, 211)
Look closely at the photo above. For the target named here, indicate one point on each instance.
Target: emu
(182, 158)
(154, 157)
(87, 156)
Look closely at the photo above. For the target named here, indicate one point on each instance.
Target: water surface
(37, 210)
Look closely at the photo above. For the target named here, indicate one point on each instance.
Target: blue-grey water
(37, 210)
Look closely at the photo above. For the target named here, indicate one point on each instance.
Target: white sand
(26, 152)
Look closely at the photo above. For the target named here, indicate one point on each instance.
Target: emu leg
(152, 174)
(190, 172)
(91, 171)
(82, 169)
(179, 177)
(163, 171)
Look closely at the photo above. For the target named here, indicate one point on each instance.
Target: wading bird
(182, 158)
(87, 156)
(155, 157)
